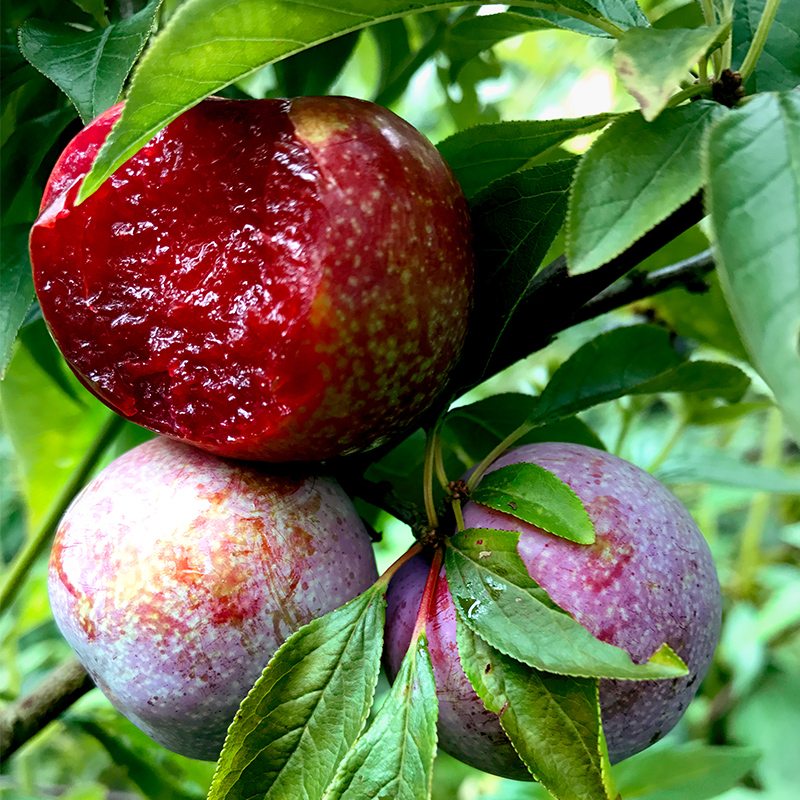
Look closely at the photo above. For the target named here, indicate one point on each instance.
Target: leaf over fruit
(307, 708)
(496, 597)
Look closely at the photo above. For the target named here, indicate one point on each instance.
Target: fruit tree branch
(54, 695)
(555, 300)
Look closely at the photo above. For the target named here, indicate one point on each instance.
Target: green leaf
(16, 288)
(634, 360)
(49, 430)
(485, 153)
(22, 155)
(208, 44)
(533, 494)
(394, 757)
(515, 220)
(498, 600)
(778, 68)
(651, 63)
(90, 67)
(693, 771)
(307, 708)
(634, 176)
(752, 165)
(553, 721)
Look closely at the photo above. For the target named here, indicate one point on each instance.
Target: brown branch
(54, 695)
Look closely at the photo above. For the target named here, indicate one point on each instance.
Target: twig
(687, 274)
(54, 695)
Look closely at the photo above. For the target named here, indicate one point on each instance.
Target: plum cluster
(270, 285)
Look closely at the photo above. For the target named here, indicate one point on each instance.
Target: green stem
(750, 548)
(459, 515)
(759, 40)
(701, 90)
(511, 439)
(710, 18)
(669, 445)
(628, 414)
(428, 470)
(389, 572)
(33, 548)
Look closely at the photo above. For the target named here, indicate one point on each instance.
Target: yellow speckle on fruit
(313, 125)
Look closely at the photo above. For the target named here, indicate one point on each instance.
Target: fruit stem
(759, 39)
(752, 533)
(389, 572)
(457, 512)
(497, 451)
(33, 548)
(428, 596)
(669, 445)
(427, 477)
(710, 18)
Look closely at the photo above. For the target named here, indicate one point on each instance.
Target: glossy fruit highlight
(649, 578)
(175, 576)
(274, 280)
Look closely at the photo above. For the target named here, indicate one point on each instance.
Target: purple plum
(175, 575)
(649, 578)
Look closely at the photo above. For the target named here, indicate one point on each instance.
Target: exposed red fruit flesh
(273, 280)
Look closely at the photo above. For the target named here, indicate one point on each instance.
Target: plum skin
(273, 280)
(175, 575)
(649, 578)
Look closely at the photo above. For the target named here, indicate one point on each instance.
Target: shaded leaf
(307, 708)
(90, 67)
(635, 360)
(553, 721)
(634, 176)
(651, 63)
(535, 495)
(753, 171)
(515, 220)
(16, 288)
(484, 153)
(498, 600)
(394, 757)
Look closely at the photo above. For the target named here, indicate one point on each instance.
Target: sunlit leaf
(394, 757)
(307, 708)
(652, 63)
(634, 176)
(753, 169)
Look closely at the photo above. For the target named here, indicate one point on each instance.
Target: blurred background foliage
(734, 466)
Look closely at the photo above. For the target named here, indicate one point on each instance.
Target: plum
(274, 280)
(175, 575)
(648, 578)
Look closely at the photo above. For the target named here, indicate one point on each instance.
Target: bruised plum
(175, 576)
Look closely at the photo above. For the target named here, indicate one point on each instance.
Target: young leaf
(778, 68)
(634, 360)
(533, 494)
(307, 708)
(485, 153)
(16, 288)
(693, 771)
(497, 598)
(208, 44)
(634, 176)
(651, 63)
(515, 220)
(754, 203)
(394, 757)
(90, 67)
(553, 721)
